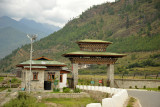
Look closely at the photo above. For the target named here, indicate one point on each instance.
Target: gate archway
(93, 52)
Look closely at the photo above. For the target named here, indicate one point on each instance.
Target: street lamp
(32, 38)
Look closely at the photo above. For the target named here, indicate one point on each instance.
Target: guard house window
(61, 78)
(35, 75)
(51, 76)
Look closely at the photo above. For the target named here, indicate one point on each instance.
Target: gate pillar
(110, 74)
(75, 74)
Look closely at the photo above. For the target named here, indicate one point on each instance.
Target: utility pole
(31, 37)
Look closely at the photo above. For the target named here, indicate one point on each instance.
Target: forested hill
(132, 26)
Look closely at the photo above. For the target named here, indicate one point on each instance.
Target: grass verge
(69, 102)
(24, 100)
(151, 89)
(131, 102)
(2, 88)
(1, 79)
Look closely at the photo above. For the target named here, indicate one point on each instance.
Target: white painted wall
(64, 81)
(36, 85)
(118, 99)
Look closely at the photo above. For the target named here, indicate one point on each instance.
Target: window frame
(50, 76)
(35, 75)
(61, 78)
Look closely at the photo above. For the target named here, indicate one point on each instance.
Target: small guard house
(46, 74)
(93, 52)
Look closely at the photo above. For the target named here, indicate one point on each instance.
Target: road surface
(146, 98)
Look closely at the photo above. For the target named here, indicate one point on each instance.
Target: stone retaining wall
(97, 95)
(62, 95)
(8, 85)
(126, 83)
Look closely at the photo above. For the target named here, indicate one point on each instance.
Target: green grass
(2, 88)
(55, 92)
(24, 100)
(71, 102)
(15, 80)
(27, 100)
(152, 89)
(131, 102)
(1, 79)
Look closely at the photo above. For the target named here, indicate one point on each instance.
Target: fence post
(122, 75)
(134, 75)
(145, 76)
(157, 76)
(102, 82)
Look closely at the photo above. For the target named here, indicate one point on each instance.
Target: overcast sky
(56, 12)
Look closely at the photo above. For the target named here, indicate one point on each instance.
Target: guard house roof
(35, 67)
(41, 63)
(96, 54)
(94, 41)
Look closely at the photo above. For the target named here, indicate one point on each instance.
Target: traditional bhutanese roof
(94, 41)
(35, 67)
(63, 71)
(85, 53)
(42, 58)
(41, 63)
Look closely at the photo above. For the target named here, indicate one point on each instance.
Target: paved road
(146, 98)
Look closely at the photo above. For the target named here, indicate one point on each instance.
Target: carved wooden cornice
(84, 60)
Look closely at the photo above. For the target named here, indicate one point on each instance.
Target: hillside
(28, 26)
(45, 28)
(132, 25)
(10, 39)
(13, 33)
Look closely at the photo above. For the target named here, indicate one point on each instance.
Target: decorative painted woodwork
(93, 47)
(91, 60)
(53, 68)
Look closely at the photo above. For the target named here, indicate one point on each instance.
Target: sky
(55, 12)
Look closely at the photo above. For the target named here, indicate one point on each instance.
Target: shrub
(15, 80)
(66, 90)
(144, 87)
(56, 89)
(77, 90)
(130, 87)
(110, 11)
(23, 95)
(157, 5)
(136, 87)
(9, 90)
(158, 87)
(109, 33)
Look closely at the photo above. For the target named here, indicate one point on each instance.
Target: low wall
(117, 100)
(126, 83)
(62, 95)
(97, 95)
(8, 85)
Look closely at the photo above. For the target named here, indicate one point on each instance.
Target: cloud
(56, 12)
